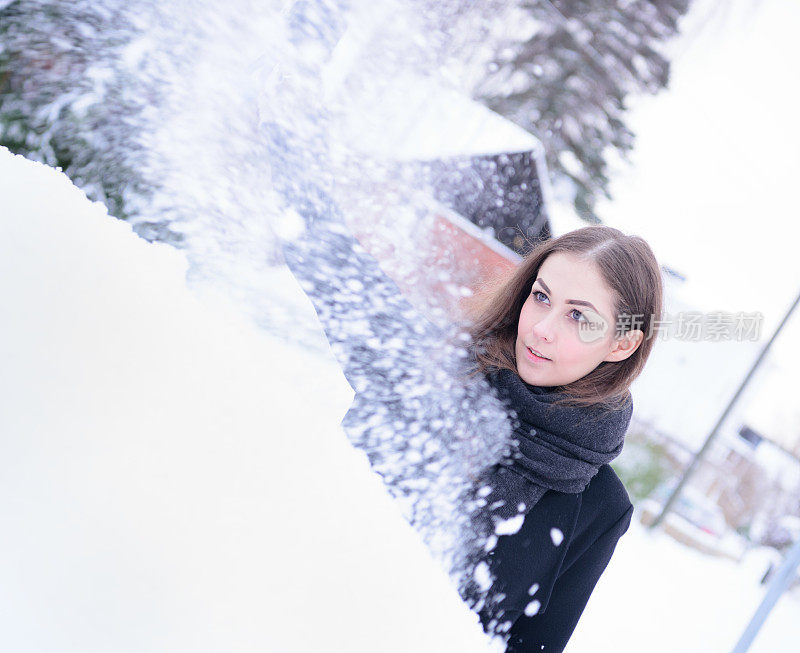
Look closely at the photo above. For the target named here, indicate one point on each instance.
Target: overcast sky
(714, 176)
(714, 181)
(713, 184)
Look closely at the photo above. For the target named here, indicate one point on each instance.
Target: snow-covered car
(694, 520)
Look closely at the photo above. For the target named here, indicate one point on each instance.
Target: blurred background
(453, 135)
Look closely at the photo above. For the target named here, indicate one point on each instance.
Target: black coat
(566, 573)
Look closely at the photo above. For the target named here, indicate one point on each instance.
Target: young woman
(560, 342)
(563, 340)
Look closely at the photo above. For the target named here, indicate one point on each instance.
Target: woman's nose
(543, 329)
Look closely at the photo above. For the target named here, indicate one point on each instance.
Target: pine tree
(63, 99)
(568, 83)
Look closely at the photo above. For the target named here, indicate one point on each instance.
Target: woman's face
(569, 319)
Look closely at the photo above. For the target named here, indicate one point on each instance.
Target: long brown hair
(630, 270)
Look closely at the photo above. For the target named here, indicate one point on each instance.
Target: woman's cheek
(567, 352)
(574, 353)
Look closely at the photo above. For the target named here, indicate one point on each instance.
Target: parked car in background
(694, 520)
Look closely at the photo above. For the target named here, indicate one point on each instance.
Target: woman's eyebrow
(579, 302)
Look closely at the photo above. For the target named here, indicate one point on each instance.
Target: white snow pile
(173, 478)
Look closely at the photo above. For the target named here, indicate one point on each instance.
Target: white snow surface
(175, 479)
(659, 596)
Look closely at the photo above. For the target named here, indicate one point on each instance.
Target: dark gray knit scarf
(554, 447)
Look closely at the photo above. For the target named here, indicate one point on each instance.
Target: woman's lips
(533, 357)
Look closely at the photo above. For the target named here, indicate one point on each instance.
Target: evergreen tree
(569, 81)
(65, 100)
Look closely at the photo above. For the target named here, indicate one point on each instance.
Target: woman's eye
(575, 313)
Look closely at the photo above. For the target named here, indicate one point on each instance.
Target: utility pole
(714, 431)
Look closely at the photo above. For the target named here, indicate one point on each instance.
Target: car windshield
(695, 507)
